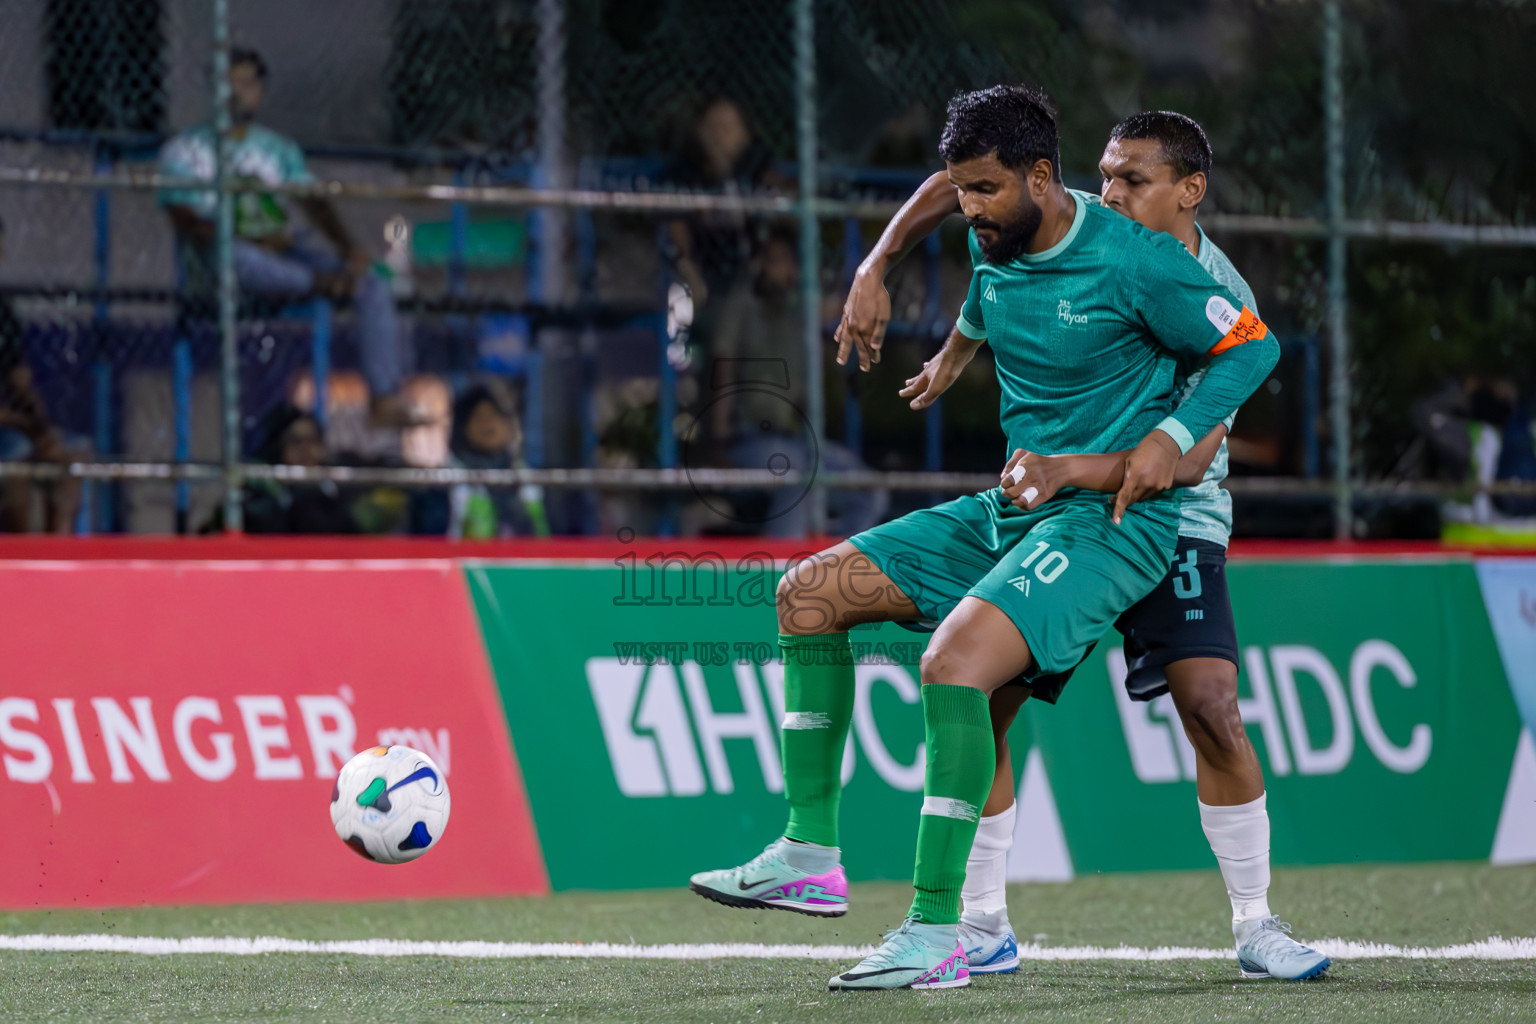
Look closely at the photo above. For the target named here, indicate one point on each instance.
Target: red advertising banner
(169, 731)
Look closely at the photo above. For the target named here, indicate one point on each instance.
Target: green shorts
(1063, 573)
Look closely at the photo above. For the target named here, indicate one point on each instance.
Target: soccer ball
(390, 804)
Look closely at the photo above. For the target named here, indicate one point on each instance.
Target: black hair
(464, 406)
(274, 428)
(245, 55)
(472, 397)
(1185, 147)
(1016, 122)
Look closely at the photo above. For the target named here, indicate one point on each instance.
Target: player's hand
(865, 313)
(1030, 479)
(937, 375)
(1149, 470)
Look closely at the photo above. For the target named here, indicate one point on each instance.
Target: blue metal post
(853, 249)
(1311, 383)
(533, 411)
(320, 356)
(933, 428)
(586, 256)
(103, 438)
(458, 240)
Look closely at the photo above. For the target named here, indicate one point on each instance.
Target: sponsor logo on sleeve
(1237, 328)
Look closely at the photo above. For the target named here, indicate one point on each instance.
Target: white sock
(1239, 837)
(812, 858)
(986, 872)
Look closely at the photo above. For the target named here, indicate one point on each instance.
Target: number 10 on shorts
(1048, 565)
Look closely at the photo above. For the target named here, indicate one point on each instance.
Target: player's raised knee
(945, 664)
(805, 602)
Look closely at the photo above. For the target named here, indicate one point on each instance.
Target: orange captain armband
(1239, 328)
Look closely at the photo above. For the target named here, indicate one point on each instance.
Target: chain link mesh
(558, 317)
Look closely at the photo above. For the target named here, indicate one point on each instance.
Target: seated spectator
(292, 437)
(27, 435)
(272, 259)
(485, 436)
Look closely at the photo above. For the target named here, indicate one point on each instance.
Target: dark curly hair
(1016, 122)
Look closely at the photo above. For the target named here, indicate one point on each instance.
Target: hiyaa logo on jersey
(1160, 752)
(990, 294)
(665, 737)
(1064, 312)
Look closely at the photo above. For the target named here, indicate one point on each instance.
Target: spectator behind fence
(27, 435)
(291, 437)
(1480, 432)
(757, 417)
(273, 260)
(485, 436)
(709, 249)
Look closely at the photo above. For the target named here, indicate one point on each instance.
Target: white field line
(1494, 948)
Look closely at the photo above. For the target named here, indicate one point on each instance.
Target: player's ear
(1192, 190)
(1039, 178)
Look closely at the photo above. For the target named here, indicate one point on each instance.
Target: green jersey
(1088, 335)
(259, 156)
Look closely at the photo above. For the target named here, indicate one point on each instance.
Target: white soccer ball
(390, 804)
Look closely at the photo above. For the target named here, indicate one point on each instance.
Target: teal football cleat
(989, 943)
(916, 955)
(768, 881)
(1265, 949)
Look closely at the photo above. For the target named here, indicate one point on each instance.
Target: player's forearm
(1229, 379)
(1195, 462)
(918, 217)
(961, 346)
(1093, 472)
(1106, 472)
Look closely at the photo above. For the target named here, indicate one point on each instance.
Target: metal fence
(500, 203)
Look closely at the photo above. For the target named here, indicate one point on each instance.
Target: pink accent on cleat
(953, 972)
(813, 894)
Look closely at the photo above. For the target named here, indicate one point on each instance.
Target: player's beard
(1012, 238)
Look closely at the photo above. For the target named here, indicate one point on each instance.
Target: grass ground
(1430, 905)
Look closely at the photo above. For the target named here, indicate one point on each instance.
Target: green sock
(818, 705)
(961, 760)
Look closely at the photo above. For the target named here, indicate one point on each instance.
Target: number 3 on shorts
(1191, 589)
